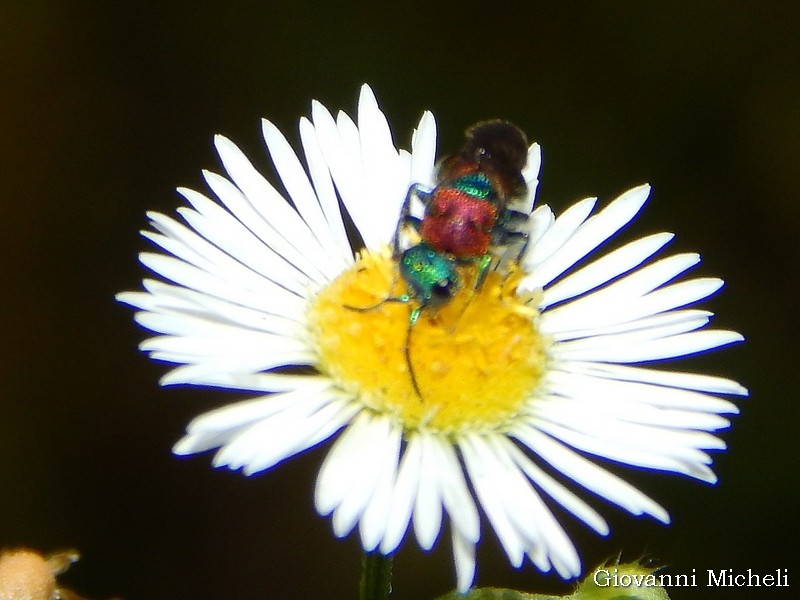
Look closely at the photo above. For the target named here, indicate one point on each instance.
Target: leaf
(627, 581)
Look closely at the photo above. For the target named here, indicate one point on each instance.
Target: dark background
(104, 111)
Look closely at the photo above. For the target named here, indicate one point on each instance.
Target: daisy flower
(535, 374)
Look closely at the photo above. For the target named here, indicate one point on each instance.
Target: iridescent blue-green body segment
(431, 275)
(476, 184)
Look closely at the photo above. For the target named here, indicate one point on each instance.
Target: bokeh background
(106, 107)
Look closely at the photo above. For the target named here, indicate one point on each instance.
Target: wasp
(466, 215)
(469, 211)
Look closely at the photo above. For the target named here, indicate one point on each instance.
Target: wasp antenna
(410, 366)
(404, 299)
(364, 308)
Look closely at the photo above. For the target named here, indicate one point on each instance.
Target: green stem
(376, 576)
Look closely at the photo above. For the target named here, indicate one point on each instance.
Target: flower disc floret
(477, 359)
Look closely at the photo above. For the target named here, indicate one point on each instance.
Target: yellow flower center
(476, 359)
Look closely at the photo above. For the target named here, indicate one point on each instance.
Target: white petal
(181, 327)
(239, 414)
(219, 227)
(278, 223)
(284, 233)
(270, 441)
(627, 348)
(540, 221)
(295, 180)
(455, 493)
(637, 402)
(403, 496)
(372, 178)
(655, 326)
(195, 250)
(589, 475)
(589, 235)
(338, 471)
(464, 560)
(196, 366)
(232, 343)
(198, 373)
(280, 305)
(676, 379)
(259, 433)
(428, 506)
(261, 382)
(556, 235)
(351, 138)
(343, 157)
(321, 178)
(373, 523)
(423, 151)
(530, 514)
(631, 443)
(530, 173)
(366, 464)
(493, 494)
(615, 304)
(605, 269)
(223, 313)
(556, 490)
(222, 424)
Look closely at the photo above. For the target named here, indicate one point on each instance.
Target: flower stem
(376, 576)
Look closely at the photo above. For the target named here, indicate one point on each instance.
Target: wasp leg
(397, 250)
(514, 244)
(420, 191)
(483, 264)
(515, 219)
(414, 190)
(511, 227)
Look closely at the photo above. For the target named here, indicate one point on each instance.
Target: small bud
(626, 581)
(26, 575)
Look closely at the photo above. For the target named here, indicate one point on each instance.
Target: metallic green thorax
(430, 274)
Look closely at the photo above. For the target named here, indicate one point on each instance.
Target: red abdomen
(458, 223)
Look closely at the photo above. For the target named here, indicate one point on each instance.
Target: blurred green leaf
(628, 581)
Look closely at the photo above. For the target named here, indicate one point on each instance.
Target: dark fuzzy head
(497, 145)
